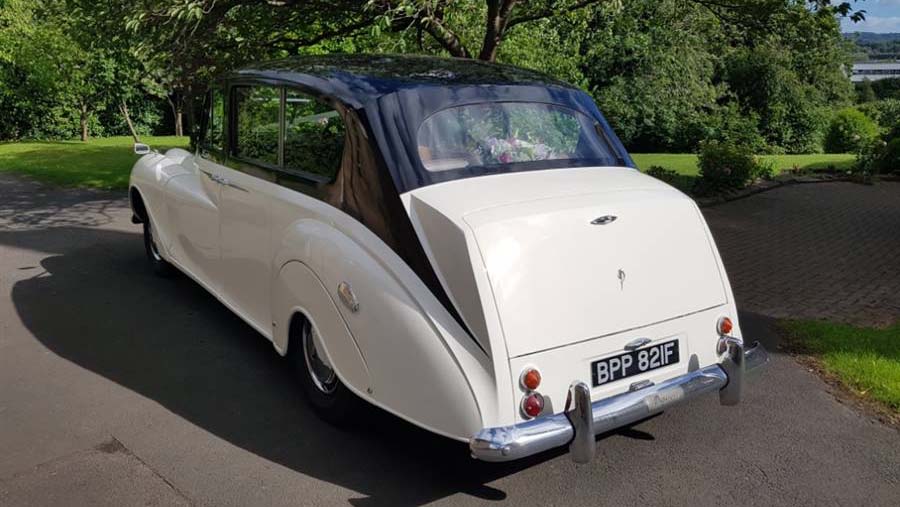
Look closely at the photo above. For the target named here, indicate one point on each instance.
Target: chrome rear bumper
(582, 420)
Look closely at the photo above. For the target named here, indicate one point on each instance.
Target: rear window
(504, 135)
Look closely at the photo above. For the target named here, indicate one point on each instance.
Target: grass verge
(865, 360)
(686, 163)
(106, 162)
(100, 163)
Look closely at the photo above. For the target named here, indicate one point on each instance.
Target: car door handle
(214, 177)
(221, 180)
(233, 185)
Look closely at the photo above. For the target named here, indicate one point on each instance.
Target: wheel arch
(298, 295)
(410, 368)
(138, 208)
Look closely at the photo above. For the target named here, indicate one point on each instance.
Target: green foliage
(878, 157)
(865, 93)
(727, 124)
(726, 167)
(790, 116)
(850, 130)
(889, 158)
(654, 83)
(884, 112)
(661, 173)
(56, 78)
(667, 73)
(886, 88)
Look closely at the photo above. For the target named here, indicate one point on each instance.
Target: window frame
(212, 107)
(311, 179)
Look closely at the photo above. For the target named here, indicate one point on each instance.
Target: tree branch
(497, 23)
(446, 37)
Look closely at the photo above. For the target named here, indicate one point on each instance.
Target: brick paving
(818, 251)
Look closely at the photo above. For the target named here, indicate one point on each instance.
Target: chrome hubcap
(319, 368)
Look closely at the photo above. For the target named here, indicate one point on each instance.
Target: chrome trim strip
(532, 437)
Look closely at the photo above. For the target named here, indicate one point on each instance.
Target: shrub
(725, 166)
(850, 131)
(727, 124)
(886, 113)
(889, 160)
(661, 173)
(878, 157)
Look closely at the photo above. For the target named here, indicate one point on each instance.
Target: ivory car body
(465, 245)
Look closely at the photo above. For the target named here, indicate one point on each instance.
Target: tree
(865, 92)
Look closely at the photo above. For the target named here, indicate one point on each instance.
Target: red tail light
(533, 405)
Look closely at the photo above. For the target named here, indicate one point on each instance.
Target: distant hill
(875, 46)
(872, 37)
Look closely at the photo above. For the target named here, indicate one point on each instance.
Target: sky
(882, 16)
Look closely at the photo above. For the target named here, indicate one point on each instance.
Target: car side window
(216, 135)
(314, 136)
(256, 123)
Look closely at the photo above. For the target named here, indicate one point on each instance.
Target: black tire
(328, 396)
(159, 265)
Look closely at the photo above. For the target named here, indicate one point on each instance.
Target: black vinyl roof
(358, 78)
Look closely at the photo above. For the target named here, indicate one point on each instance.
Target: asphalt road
(120, 388)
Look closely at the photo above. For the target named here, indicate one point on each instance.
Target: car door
(245, 235)
(194, 202)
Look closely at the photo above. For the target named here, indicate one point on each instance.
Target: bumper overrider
(582, 420)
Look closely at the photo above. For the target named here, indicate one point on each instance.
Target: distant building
(875, 71)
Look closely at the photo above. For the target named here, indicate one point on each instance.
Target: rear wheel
(159, 265)
(326, 393)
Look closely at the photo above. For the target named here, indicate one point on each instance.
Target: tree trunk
(176, 102)
(499, 12)
(179, 123)
(84, 124)
(123, 107)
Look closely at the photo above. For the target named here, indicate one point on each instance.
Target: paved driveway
(821, 251)
(120, 388)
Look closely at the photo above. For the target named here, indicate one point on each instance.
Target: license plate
(632, 363)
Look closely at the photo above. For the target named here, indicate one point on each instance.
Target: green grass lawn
(106, 163)
(99, 163)
(686, 163)
(867, 360)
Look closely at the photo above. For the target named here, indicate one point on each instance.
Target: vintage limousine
(465, 245)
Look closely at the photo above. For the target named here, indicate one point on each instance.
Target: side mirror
(141, 149)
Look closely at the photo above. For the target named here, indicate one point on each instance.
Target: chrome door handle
(235, 186)
(213, 177)
(221, 180)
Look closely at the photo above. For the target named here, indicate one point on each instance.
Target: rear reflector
(531, 379)
(725, 326)
(533, 405)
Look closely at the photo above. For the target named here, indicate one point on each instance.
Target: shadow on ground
(170, 341)
(96, 304)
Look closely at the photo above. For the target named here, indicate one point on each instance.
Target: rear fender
(297, 290)
(412, 371)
